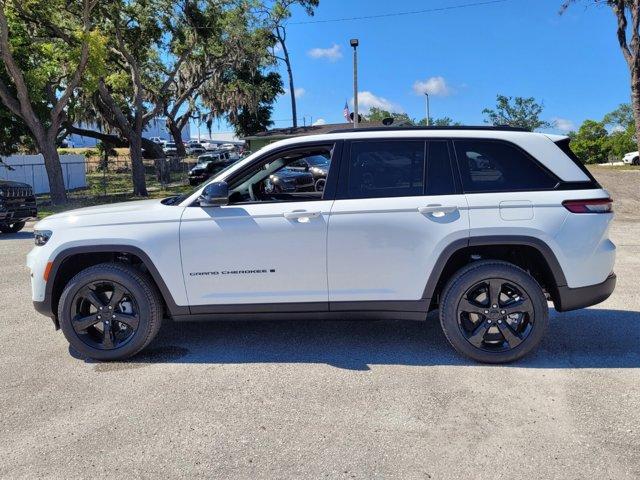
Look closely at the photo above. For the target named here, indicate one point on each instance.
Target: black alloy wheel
(493, 311)
(105, 315)
(110, 311)
(495, 315)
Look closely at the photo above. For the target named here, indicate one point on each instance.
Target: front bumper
(575, 298)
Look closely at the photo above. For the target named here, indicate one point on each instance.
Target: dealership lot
(332, 399)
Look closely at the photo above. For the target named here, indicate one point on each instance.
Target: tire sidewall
(124, 278)
(474, 274)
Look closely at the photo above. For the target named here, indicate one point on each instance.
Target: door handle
(300, 215)
(438, 210)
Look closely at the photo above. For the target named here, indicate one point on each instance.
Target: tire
(320, 184)
(12, 227)
(635, 161)
(493, 335)
(131, 332)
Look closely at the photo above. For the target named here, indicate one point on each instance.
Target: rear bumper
(575, 298)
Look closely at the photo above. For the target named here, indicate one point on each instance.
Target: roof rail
(500, 128)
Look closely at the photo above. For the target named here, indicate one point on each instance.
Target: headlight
(41, 237)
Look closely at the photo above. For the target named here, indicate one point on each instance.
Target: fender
(46, 306)
(525, 240)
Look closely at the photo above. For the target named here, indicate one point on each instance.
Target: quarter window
(494, 166)
(386, 169)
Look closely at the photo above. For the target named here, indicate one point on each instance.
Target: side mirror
(215, 194)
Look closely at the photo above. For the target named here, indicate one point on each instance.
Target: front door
(267, 246)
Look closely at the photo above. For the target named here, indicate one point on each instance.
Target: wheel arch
(72, 260)
(530, 253)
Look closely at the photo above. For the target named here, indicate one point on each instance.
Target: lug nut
(99, 317)
(488, 321)
(502, 312)
(495, 306)
(486, 311)
(113, 316)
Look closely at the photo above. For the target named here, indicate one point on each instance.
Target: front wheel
(12, 227)
(493, 312)
(110, 311)
(636, 161)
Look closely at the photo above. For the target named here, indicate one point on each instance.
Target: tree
(516, 112)
(625, 10)
(376, 114)
(46, 49)
(231, 50)
(621, 117)
(276, 16)
(438, 122)
(590, 142)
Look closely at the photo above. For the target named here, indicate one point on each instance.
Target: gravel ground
(324, 399)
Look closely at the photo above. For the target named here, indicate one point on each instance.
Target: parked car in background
(289, 180)
(207, 166)
(157, 140)
(17, 205)
(170, 149)
(195, 148)
(632, 158)
(317, 165)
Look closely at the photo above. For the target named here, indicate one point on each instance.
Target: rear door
(396, 208)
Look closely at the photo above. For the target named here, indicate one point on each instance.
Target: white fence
(30, 169)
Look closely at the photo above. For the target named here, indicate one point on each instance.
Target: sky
(463, 56)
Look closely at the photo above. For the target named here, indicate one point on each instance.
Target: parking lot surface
(302, 399)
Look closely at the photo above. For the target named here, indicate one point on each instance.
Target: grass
(596, 167)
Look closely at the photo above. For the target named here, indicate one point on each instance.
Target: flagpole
(354, 43)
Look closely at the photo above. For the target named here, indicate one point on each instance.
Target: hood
(113, 213)
(286, 173)
(9, 183)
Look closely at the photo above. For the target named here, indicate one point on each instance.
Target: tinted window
(493, 166)
(386, 169)
(439, 173)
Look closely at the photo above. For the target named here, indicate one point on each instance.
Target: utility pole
(428, 114)
(354, 43)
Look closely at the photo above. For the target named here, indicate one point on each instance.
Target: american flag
(345, 112)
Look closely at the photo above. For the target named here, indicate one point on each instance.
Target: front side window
(495, 166)
(386, 169)
(288, 177)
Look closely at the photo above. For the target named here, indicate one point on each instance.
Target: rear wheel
(493, 312)
(110, 311)
(12, 227)
(636, 161)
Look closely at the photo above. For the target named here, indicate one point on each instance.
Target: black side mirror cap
(215, 194)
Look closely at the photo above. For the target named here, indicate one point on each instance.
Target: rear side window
(439, 174)
(386, 169)
(495, 166)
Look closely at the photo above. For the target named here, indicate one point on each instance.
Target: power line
(398, 14)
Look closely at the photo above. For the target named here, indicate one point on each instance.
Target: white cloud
(320, 121)
(298, 92)
(332, 53)
(563, 124)
(367, 100)
(436, 86)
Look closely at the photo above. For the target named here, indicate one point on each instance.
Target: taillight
(592, 205)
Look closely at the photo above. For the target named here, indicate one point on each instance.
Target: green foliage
(620, 117)
(590, 142)
(621, 142)
(516, 112)
(438, 122)
(378, 114)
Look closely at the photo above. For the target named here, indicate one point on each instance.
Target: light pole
(426, 94)
(354, 43)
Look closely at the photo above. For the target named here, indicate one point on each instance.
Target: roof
(281, 133)
(277, 133)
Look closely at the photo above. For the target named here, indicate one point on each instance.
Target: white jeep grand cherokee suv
(485, 224)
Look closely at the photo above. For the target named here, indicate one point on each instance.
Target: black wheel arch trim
(46, 306)
(452, 248)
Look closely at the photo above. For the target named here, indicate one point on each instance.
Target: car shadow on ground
(16, 236)
(591, 338)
